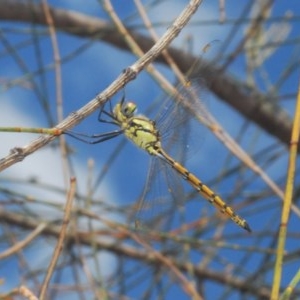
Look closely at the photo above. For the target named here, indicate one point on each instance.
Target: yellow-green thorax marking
(144, 134)
(138, 128)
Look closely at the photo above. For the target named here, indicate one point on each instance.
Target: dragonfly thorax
(139, 129)
(143, 133)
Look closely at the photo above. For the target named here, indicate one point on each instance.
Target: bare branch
(254, 105)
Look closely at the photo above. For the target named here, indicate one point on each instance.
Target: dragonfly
(144, 133)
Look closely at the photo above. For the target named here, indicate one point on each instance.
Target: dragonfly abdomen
(205, 191)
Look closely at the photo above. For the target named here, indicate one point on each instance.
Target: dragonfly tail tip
(247, 227)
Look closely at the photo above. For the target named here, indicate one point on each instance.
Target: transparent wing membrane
(164, 139)
(170, 139)
(157, 207)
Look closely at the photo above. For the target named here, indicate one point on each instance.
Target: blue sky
(93, 70)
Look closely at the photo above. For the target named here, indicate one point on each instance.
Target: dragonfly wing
(180, 122)
(163, 195)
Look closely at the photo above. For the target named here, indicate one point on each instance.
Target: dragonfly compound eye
(129, 109)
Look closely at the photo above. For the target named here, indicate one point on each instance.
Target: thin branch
(61, 238)
(259, 108)
(135, 253)
(22, 244)
(18, 154)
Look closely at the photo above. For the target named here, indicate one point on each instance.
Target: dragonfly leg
(99, 138)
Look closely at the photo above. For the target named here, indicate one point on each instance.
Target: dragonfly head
(124, 111)
(128, 109)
